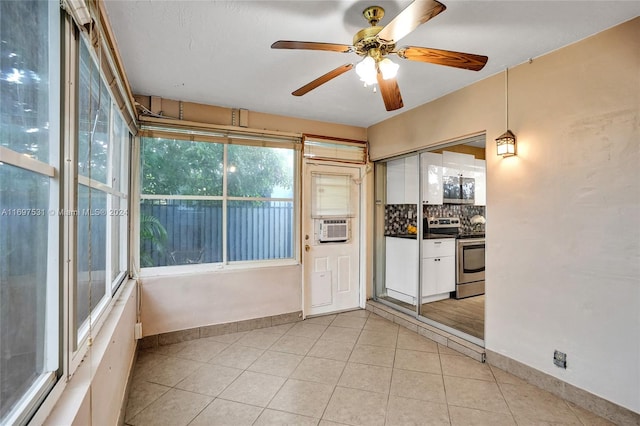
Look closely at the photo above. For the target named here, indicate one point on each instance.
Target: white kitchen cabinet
(411, 179)
(458, 164)
(401, 268)
(438, 269)
(481, 183)
(395, 181)
(431, 167)
(402, 180)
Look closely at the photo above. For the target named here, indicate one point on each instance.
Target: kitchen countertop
(406, 236)
(426, 236)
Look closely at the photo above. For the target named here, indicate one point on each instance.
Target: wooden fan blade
(409, 19)
(390, 93)
(310, 45)
(322, 79)
(467, 61)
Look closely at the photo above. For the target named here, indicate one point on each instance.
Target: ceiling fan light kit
(375, 43)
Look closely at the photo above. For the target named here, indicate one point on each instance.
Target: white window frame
(52, 361)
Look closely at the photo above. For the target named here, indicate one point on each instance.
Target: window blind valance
(188, 130)
(327, 149)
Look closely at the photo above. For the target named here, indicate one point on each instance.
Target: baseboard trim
(172, 337)
(582, 398)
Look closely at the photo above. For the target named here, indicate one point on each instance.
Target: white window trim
(226, 264)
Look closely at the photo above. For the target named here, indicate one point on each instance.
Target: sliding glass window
(29, 202)
(208, 202)
(102, 153)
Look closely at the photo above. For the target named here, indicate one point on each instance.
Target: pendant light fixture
(506, 142)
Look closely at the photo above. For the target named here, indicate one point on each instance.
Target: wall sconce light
(506, 142)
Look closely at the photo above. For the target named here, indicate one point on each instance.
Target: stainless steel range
(470, 265)
(470, 258)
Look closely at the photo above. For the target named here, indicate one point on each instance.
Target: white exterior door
(331, 264)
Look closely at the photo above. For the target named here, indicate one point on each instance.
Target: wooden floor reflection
(466, 315)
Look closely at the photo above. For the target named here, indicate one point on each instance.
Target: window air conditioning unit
(334, 230)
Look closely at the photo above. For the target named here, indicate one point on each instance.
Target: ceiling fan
(375, 43)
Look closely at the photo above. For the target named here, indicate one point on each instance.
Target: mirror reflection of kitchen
(449, 186)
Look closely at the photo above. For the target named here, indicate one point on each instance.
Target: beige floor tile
(417, 385)
(377, 323)
(462, 366)
(356, 407)
(293, 344)
(308, 330)
(229, 338)
(461, 416)
(426, 362)
(341, 334)
(278, 329)
(227, 413)
(387, 338)
(209, 379)
(472, 393)
(587, 417)
(405, 412)
(280, 418)
(373, 355)
(170, 350)
(165, 370)
(331, 349)
(530, 402)
(237, 356)
(301, 397)
(258, 339)
(366, 377)
(358, 313)
(349, 322)
(415, 342)
(319, 370)
(253, 388)
(276, 363)
(202, 349)
(174, 408)
(141, 394)
(329, 423)
(321, 320)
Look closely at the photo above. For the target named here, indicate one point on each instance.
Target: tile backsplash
(398, 216)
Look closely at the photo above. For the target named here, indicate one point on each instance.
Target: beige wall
(563, 217)
(179, 302)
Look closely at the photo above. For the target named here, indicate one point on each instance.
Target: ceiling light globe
(366, 70)
(388, 68)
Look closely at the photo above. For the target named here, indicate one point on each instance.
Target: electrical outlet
(560, 359)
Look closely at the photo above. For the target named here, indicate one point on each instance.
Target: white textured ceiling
(218, 52)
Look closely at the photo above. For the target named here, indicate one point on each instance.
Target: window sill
(213, 267)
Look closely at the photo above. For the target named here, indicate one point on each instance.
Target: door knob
(307, 247)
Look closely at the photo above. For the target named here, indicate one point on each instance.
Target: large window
(208, 202)
(29, 222)
(103, 141)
